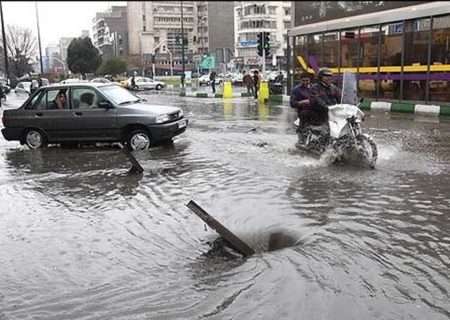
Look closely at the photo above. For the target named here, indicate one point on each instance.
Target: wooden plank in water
(234, 242)
(135, 166)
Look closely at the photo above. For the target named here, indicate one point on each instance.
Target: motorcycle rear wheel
(370, 151)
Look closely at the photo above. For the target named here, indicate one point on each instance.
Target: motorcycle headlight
(162, 118)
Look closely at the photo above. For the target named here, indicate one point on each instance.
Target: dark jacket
(300, 93)
(321, 97)
(247, 79)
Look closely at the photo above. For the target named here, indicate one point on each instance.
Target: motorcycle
(342, 139)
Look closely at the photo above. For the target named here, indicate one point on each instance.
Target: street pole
(264, 55)
(39, 38)
(5, 51)
(182, 40)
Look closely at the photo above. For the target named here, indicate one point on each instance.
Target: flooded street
(83, 239)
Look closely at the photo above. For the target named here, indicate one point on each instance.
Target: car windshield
(118, 94)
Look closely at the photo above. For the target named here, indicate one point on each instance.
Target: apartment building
(155, 34)
(215, 28)
(252, 17)
(110, 33)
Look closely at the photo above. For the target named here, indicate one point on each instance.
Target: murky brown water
(82, 239)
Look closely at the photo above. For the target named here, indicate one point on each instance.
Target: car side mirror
(105, 105)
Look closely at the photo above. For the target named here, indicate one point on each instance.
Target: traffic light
(260, 44)
(266, 43)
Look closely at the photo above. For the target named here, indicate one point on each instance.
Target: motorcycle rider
(300, 101)
(323, 94)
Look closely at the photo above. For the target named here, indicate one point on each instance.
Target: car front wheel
(34, 139)
(138, 140)
(158, 87)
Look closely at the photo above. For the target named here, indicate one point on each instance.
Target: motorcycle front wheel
(369, 150)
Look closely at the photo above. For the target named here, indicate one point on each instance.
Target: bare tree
(21, 45)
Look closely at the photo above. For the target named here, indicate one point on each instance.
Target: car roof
(80, 84)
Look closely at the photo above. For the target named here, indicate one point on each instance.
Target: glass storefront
(407, 60)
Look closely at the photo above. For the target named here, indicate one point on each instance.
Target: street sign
(197, 58)
(208, 63)
(253, 60)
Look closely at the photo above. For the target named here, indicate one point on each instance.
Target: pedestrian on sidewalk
(248, 82)
(212, 80)
(183, 77)
(256, 82)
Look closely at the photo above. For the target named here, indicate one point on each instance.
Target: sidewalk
(420, 109)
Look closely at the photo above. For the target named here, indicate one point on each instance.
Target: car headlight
(181, 113)
(162, 118)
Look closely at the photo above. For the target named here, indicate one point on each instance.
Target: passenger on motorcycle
(323, 94)
(300, 101)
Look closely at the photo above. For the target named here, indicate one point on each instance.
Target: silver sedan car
(145, 83)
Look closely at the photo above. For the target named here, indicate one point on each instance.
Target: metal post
(288, 65)
(430, 39)
(5, 51)
(233, 241)
(263, 56)
(39, 37)
(182, 39)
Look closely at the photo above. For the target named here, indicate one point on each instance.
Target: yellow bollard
(263, 93)
(227, 90)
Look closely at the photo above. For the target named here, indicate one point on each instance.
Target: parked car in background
(272, 75)
(144, 83)
(236, 78)
(94, 112)
(23, 87)
(103, 80)
(204, 79)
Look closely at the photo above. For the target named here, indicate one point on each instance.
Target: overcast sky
(56, 19)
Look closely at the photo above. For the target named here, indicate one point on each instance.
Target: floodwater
(83, 239)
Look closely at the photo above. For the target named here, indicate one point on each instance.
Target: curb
(212, 95)
(395, 107)
(420, 109)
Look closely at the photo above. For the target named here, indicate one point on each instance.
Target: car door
(59, 124)
(141, 83)
(38, 112)
(150, 84)
(97, 124)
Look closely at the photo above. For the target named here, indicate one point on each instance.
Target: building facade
(52, 61)
(252, 17)
(64, 43)
(215, 29)
(155, 36)
(399, 50)
(110, 33)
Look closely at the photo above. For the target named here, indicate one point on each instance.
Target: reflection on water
(81, 238)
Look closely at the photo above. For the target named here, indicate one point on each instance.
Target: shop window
(440, 58)
(368, 77)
